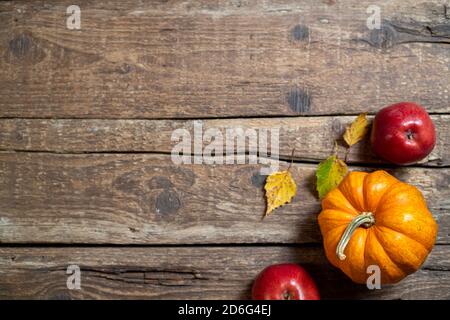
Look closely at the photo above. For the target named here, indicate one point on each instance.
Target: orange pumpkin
(375, 219)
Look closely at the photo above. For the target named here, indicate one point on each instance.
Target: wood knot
(383, 38)
(167, 202)
(20, 45)
(124, 68)
(300, 32)
(160, 182)
(299, 100)
(24, 49)
(443, 182)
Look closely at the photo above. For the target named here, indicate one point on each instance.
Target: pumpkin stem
(365, 219)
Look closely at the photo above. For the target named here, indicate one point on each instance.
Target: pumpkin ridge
(365, 248)
(384, 195)
(353, 181)
(366, 206)
(374, 186)
(354, 270)
(395, 264)
(408, 269)
(392, 228)
(330, 219)
(336, 193)
(331, 239)
(344, 223)
(406, 236)
(364, 185)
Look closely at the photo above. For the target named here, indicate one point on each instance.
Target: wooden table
(87, 115)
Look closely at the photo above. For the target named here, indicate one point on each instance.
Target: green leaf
(329, 174)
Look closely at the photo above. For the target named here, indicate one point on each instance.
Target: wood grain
(190, 59)
(86, 118)
(193, 273)
(312, 137)
(144, 198)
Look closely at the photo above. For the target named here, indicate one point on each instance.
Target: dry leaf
(329, 174)
(357, 130)
(280, 189)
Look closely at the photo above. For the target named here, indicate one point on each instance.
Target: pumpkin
(375, 219)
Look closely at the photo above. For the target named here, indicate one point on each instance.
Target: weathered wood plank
(188, 59)
(143, 198)
(193, 273)
(312, 137)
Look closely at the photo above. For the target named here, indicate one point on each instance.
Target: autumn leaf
(329, 174)
(357, 130)
(280, 189)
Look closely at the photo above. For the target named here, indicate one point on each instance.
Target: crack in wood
(394, 33)
(137, 275)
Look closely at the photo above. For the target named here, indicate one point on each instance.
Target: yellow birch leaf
(357, 130)
(329, 174)
(280, 189)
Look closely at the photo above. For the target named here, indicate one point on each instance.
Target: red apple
(403, 133)
(284, 282)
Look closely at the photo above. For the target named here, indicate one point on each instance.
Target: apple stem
(409, 135)
(365, 219)
(292, 160)
(286, 295)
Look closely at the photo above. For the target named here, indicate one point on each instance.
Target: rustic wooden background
(86, 118)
